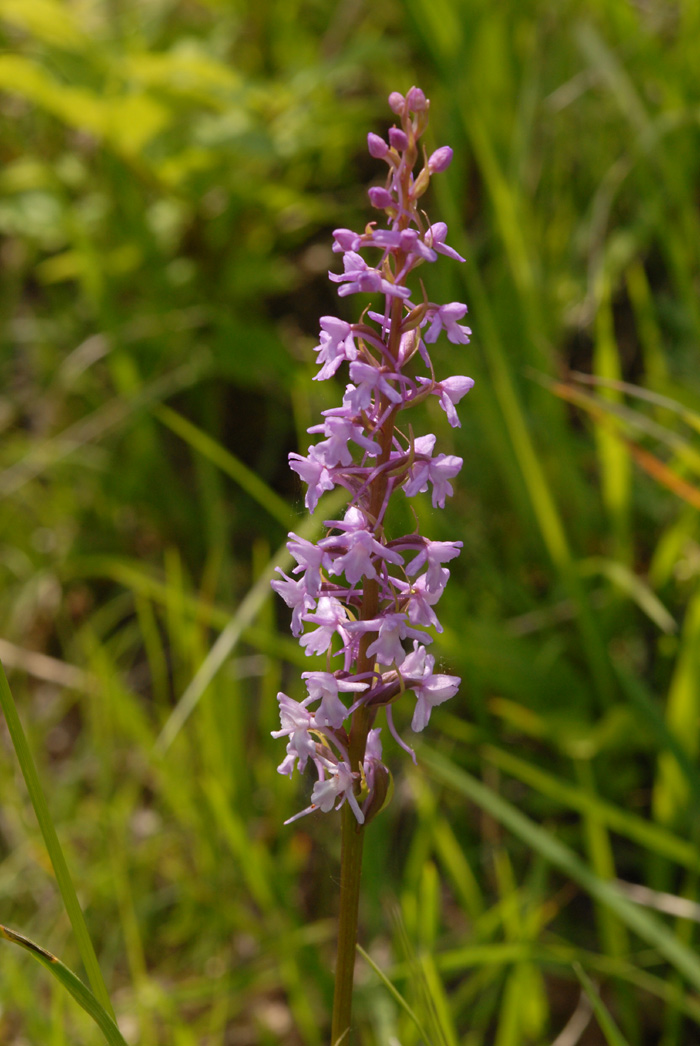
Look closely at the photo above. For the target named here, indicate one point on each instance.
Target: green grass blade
(542, 499)
(227, 640)
(480, 956)
(394, 992)
(625, 420)
(690, 417)
(115, 413)
(633, 586)
(82, 995)
(246, 479)
(612, 1033)
(63, 878)
(645, 833)
(671, 789)
(650, 929)
(218, 654)
(614, 463)
(642, 700)
(145, 584)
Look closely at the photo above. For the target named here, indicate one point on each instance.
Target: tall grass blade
(82, 995)
(612, 1033)
(651, 464)
(650, 929)
(639, 696)
(633, 586)
(671, 789)
(247, 480)
(645, 833)
(690, 417)
(63, 877)
(394, 992)
(111, 415)
(619, 415)
(614, 464)
(227, 640)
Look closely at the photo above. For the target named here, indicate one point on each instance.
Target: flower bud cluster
(364, 599)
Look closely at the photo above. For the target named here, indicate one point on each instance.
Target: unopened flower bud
(396, 101)
(377, 146)
(416, 100)
(380, 197)
(440, 159)
(398, 139)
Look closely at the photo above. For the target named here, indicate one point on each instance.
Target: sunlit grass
(170, 176)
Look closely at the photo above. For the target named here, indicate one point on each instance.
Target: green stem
(352, 839)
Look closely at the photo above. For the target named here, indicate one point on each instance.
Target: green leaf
(47, 20)
(126, 121)
(82, 995)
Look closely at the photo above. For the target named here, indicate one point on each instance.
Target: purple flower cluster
(364, 594)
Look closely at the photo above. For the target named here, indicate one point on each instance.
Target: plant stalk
(352, 838)
(352, 833)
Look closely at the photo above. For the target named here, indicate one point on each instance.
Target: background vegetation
(171, 174)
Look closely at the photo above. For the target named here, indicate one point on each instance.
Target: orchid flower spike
(363, 598)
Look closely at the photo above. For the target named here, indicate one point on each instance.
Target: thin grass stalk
(53, 846)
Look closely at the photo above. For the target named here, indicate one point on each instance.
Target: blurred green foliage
(171, 174)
